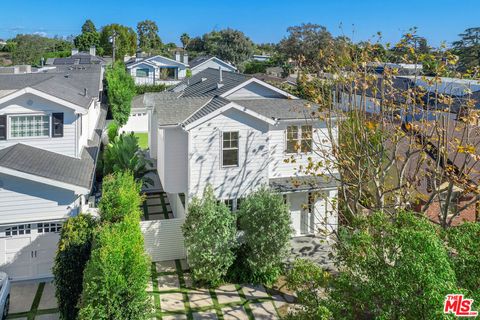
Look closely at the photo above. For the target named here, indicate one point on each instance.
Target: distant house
(261, 57)
(50, 128)
(78, 58)
(204, 62)
(158, 69)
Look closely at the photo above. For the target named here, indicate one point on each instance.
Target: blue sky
(262, 21)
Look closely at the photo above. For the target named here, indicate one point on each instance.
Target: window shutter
(57, 125)
(3, 127)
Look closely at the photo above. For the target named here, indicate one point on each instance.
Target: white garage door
(27, 251)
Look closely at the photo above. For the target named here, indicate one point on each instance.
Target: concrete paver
(48, 299)
(175, 317)
(53, 316)
(199, 298)
(254, 291)
(166, 266)
(171, 302)
(234, 313)
(227, 293)
(22, 295)
(168, 282)
(263, 310)
(205, 315)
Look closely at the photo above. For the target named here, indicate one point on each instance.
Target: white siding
(254, 91)
(278, 168)
(137, 121)
(31, 104)
(25, 200)
(163, 239)
(205, 156)
(172, 159)
(212, 64)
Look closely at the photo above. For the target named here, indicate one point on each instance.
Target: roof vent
(204, 79)
(85, 91)
(219, 85)
(221, 73)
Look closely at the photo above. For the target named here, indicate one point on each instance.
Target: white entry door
(27, 251)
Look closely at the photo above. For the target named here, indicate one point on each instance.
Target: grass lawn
(142, 140)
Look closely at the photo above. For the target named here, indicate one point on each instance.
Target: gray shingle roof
(207, 83)
(65, 82)
(214, 104)
(51, 165)
(198, 60)
(280, 109)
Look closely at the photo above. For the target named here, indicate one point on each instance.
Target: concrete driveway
(31, 300)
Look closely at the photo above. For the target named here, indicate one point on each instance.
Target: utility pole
(112, 40)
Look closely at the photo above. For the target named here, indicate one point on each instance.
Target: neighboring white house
(158, 69)
(234, 132)
(204, 62)
(50, 129)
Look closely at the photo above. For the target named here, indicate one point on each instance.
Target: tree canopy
(468, 48)
(148, 38)
(125, 40)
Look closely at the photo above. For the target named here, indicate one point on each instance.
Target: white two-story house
(50, 128)
(235, 132)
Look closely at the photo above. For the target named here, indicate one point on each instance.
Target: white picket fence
(164, 239)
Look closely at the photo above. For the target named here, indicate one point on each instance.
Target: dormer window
(27, 126)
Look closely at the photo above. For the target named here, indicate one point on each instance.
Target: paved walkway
(157, 207)
(33, 300)
(175, 298)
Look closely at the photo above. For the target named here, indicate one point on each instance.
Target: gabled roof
(280, 109)
(80, 58)
(207, 83)
(54, 168)
(64, 82)
(151, 61)
(203, 59)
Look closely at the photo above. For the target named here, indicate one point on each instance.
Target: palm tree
(124, 154)
(185, 39)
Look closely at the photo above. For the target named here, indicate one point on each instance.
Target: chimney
(185, 58)
(177, 56)
(93, 51)
(74, 51)
(221, 74)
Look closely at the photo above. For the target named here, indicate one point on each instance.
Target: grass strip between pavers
(145, 209)
(164, 207)
(156, 297)
(30, 315)
(245, 302)
(216, 305)
(181, 281)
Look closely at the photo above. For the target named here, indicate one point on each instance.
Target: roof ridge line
(200, 108)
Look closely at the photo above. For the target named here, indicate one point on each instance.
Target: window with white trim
(17, 230)
(142, 72)
(230, 149)
(26, 126)
(47, 227)
(299, 138)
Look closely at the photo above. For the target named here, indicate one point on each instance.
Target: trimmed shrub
(120, 92)
(120, 197)
(73, 252)
(265, 220)
(210, 237)
(463, 242)
(117, 274)
(144, 88)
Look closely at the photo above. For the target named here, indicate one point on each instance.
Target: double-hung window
(26, 126)
(230, 149)
(299, 138)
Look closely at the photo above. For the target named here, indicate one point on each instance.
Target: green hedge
(117, 274)
(73, 253)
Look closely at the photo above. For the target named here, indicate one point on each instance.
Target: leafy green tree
(120, 92)
(124, 154)
(265, 219)
(210, 237)
(84, 41)
(89, 27)
(112, 131)
(125, 40)
(251, 67)
(73, 253)
(390, 268)
(468, 49)
(185, 39)
(120, 197)
(229, 45)
(30, 48)
(463, 242)
(148, 38)
(117, 274)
